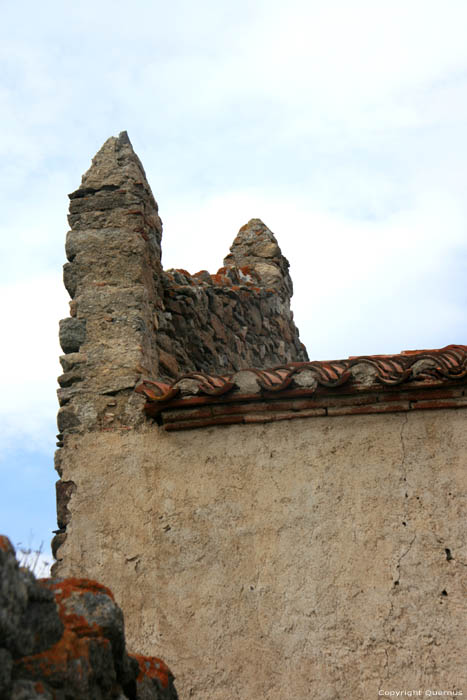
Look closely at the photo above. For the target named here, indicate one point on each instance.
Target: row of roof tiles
(379, 375)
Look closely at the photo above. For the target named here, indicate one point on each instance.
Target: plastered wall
(319, 558)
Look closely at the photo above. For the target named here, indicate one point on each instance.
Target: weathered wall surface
(319, 558)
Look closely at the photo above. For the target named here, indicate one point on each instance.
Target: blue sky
(342, 125)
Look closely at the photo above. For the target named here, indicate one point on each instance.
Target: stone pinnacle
(115, 164)
(256, 246)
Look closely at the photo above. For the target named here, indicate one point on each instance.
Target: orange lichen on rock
(65, 587)
(5, 544)
(70, 649)
(89, 656)
(152, 667)
(73, 647)
(221, 279)
(79, 625)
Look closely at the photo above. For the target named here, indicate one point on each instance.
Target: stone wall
(320, 557)
(237, 318)
(63, 639)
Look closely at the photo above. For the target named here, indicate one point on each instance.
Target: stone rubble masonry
(63, 639)
(130, 319)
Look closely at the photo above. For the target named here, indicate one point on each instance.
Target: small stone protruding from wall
(63, 639)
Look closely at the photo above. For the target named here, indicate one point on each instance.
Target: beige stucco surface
(261, 561)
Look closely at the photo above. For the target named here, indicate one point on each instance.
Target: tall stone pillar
(113, 276)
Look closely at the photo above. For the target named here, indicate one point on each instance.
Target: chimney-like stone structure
(113, 277)
(130, 319)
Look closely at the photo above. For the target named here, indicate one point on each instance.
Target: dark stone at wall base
(40, 616)
(33, 690)
(70, 279)
(57, 542)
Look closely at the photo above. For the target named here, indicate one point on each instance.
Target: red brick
(440, 403)
(346, 400)
(229, 409)
(310, 413)
(177, 416)
(421, 394)
(191, 424)
(390, 407)
(258, 418)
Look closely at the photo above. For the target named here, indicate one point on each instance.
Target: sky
(342, 125)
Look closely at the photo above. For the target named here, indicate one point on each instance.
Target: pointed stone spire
(114, 193)
(256, 247)
(113, 276)
(115, 164)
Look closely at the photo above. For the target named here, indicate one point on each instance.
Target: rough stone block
(72, 334)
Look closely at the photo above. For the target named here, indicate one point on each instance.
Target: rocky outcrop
(63, 639)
